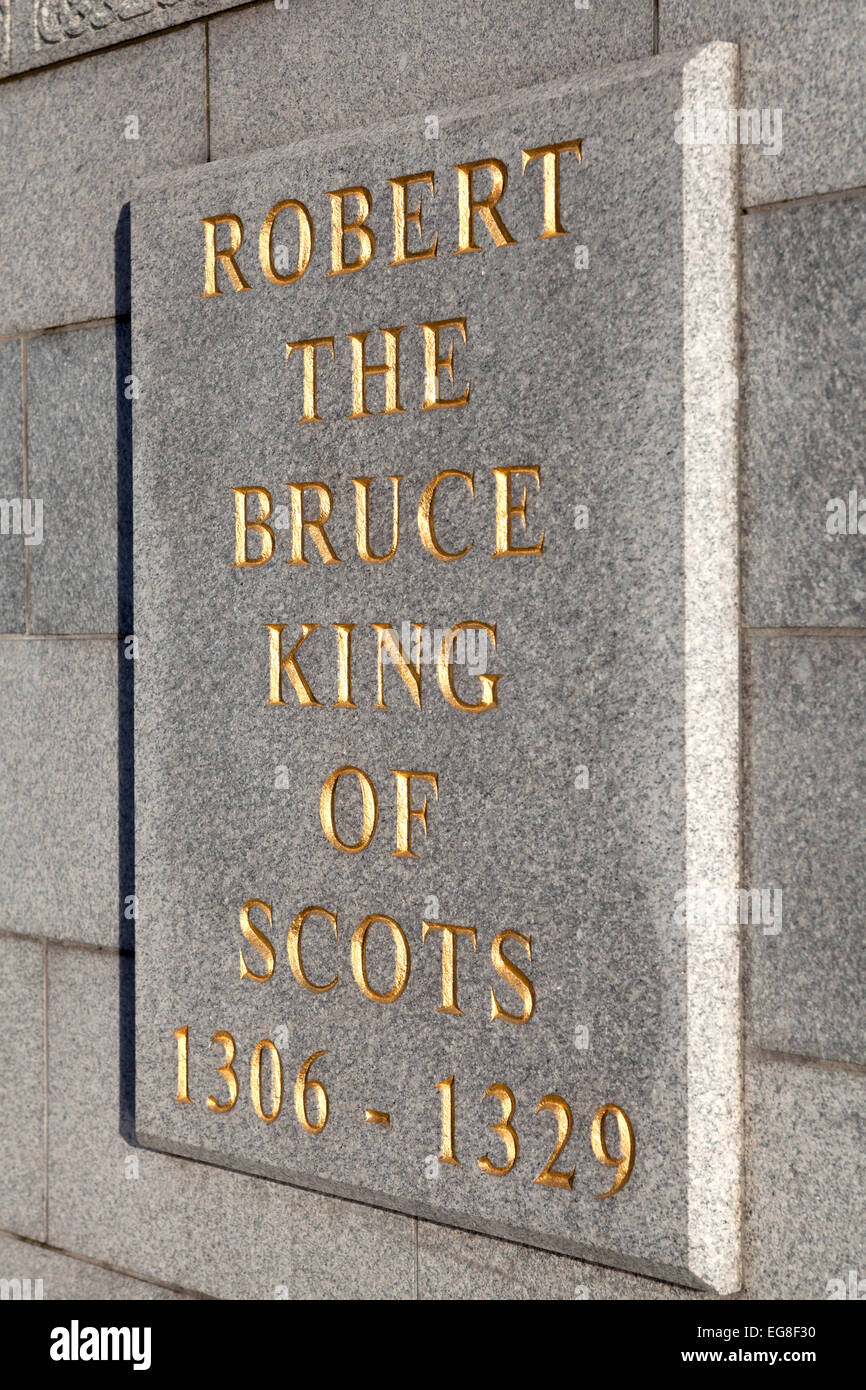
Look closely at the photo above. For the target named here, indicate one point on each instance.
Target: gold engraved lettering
(276, 1081)
(406, 813)
(340, 229)
(226, 257)
(309, 347)
(401, 959)
(450, 934)
(411, 675)
(549, 154)
(402, 219)
(182, 1035)
(243, 526)
(425, 514)
(293, 948)
(390, 369)
(306, 241)
(446, 1153)
(445, 669)
(506, 509)
(513, 977)
(362, 519)
(504, 1129)
(434, 364)
(378, 1117)
(227, 1072)
(370, 809)
(344, 666)
(256, 937)
(280, 666)
(469, 206)
(550, 1176)
(625, 1163)
(302, 1086)
(302, 523)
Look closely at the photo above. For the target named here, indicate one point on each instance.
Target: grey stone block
(808, 60)
(58, 812)
(68, 164)
(176, 1221)
(619, 647)
(11, 490)
(55, 1276)
(457, 1265)
(805, 345)
(72, 448)
(805, 1175)
(22, 1153)
(279, 75)
(806, 767)
(51, 31)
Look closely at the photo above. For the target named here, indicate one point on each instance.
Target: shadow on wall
(125, 679)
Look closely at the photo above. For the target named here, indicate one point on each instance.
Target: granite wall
(91, 98)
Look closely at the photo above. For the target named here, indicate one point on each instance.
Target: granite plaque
(435, 664)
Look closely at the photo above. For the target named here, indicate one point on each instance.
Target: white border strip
(710, 298)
